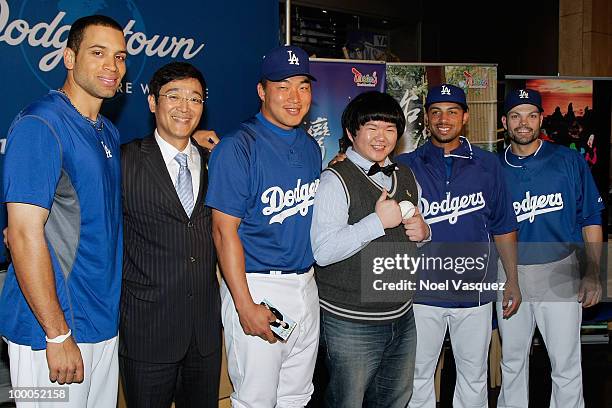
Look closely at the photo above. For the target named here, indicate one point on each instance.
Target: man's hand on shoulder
(65, 362)
(208, 139)
(338, 158)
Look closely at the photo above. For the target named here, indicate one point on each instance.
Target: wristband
(59, 339)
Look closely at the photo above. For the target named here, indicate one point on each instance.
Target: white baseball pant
(470, 333)
(559, 323)
(101, 377)
(279, 374)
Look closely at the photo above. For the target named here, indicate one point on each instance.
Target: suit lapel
(154, 161)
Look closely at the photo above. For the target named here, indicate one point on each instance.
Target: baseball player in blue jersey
(464, 201)
(59, 307)
(557, 206)
(262, 181)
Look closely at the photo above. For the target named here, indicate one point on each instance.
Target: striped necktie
(184, 188)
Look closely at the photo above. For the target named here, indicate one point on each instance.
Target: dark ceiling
(522, 38)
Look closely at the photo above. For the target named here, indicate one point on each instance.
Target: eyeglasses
(175, 99)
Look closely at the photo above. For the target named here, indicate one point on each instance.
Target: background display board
(408, 84)
(338, 81)
(208, 34)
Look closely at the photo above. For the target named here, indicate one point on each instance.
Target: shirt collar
(361, 161)
(463, 151)
(514, 160)
(271, 126)
(169, 152)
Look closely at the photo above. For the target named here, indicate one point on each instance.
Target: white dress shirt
(193, 162)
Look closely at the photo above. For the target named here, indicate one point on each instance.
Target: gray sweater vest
(340, 284)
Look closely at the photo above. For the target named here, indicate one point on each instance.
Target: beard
(524, 139)
(445, 138)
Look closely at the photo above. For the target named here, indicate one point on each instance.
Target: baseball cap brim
(279, 76)
(463, 105)
(509, 107)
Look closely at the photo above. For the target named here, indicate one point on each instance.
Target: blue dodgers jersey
(267, 177)
(57, 161)
(554, 196)
(469, 204)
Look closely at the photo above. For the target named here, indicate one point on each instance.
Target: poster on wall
(367, 45)
(568, 115)
(338, 81)
(408, 84)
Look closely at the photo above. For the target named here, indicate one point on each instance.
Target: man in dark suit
(170, 330)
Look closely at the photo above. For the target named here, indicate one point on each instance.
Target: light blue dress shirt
(331, 236)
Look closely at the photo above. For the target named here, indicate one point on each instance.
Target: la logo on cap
(445, 90)
(293, 59)
(523, 94)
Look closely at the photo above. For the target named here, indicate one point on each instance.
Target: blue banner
(225, 42)
(337, 83)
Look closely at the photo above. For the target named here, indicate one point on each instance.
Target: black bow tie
(387, 170)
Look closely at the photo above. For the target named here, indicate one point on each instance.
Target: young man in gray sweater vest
(358, 238)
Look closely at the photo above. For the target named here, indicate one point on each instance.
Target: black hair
(77, 30)
(172, 72)
(372, 105)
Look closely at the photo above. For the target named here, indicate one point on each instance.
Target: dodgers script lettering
(287, 203)
(451, 208)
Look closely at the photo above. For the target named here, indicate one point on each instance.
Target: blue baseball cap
(523, 96)
(446, 93)
(284, 62)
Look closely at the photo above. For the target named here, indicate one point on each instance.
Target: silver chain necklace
(96, 124)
